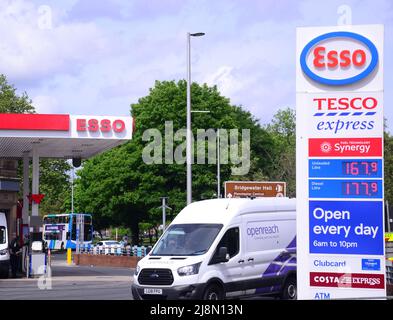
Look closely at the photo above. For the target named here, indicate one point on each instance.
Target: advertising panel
(339, 162)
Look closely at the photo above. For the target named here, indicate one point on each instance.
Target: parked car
(109, 246)
(4, 254)
(109, 243)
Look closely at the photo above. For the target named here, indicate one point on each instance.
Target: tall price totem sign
(339, 162)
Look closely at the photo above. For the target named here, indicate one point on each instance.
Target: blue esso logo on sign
(339, 58)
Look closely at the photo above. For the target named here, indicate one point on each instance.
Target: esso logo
(339, 58)
(104, 125)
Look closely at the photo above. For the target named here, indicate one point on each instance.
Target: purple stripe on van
(284, 262)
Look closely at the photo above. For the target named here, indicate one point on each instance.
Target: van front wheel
(213, 292)
(289, 291)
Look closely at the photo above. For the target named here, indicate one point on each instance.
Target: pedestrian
(14, 254)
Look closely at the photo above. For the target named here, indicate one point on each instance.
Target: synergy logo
(347, 147)
(326, 147)
(339, 58)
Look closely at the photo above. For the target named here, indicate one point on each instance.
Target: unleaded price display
(345, 168)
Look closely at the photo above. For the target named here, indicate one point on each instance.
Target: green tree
(10, 102)
(53, 173)
(283, 154)
(388, 167)
(54, 183)
(119, 187)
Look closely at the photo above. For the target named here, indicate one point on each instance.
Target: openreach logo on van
(260, 231)
(339, 58)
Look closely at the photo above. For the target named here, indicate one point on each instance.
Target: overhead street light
(189, 132)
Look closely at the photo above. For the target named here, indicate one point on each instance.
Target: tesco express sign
(339, 58)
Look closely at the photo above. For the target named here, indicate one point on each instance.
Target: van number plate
(152, 291)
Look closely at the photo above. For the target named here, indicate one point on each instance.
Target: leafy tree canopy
(119, 187)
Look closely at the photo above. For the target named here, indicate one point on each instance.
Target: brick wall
(105, 260)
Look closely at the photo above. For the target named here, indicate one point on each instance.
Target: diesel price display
(342, 188)
(360, 188)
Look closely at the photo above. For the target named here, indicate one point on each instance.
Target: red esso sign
(333, 58)
(104, 125)
(338, 58)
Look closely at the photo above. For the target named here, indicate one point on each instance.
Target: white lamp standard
(189, 132)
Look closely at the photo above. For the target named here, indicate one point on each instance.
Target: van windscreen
(2, 235)
(187, 239)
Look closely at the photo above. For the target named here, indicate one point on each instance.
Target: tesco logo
(105, 125)
(339, 58)
(345, 103)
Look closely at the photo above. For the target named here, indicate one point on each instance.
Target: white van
(223, 248)
(4, 254)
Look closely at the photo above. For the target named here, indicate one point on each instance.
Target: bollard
(49, 258)
(69, 256)
(148, 250)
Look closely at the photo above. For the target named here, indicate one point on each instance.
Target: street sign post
(339, 162)
(246, 189)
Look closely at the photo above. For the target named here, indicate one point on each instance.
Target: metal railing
(115, 250)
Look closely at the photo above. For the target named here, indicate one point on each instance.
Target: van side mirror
(223, 255)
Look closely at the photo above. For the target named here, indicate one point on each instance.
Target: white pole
(189, 132)
(26, 188)
(163, 214)
(388, 214)
(72, 190)
(36, 181)
(218, 165)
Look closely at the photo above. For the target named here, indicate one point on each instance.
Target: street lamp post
(189, 132)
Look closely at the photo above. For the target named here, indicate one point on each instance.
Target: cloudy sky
(99, 56)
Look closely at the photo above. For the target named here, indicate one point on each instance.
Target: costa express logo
(339, 58)
(351, 280)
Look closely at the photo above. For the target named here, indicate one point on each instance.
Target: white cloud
(31, 53)
(45, 104)
(98, 61)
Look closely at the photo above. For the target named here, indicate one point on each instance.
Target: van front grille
(155, 277)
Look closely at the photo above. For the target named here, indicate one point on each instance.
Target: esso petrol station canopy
(61, 135)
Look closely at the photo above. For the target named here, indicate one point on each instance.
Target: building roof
(61, 135)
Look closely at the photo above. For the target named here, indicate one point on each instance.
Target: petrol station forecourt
(56, 136)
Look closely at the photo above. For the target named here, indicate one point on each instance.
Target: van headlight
(137, 269)
(3, 252)
(189, 270)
